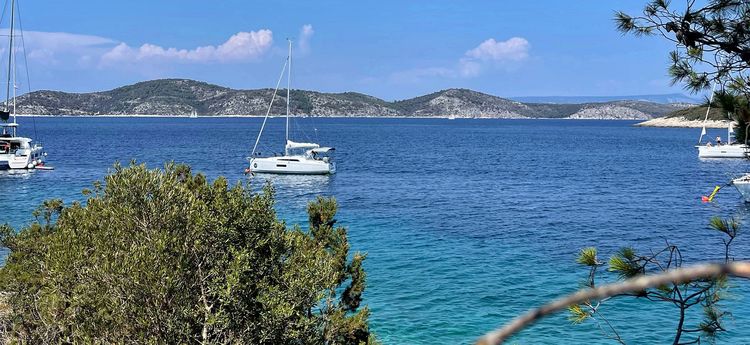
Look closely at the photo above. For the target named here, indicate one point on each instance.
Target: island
(183, 97)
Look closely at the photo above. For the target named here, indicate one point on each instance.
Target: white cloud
(305, 35)
(514, 49)
(242, 46)
(68, 50)
(487, 55)
(50, 48)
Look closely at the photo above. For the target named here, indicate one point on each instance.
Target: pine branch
(677, 276)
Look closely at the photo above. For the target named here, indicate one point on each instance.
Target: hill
(664, 99)
(183, 96)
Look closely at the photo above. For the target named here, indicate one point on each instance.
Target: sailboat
(194, 115)
(15, 152)
(299, 158)
(729, 149)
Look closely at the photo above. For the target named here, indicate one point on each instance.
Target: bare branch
(677, 276)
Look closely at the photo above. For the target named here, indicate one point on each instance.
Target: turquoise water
(467, 223)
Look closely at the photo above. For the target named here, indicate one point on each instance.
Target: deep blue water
(466, 223)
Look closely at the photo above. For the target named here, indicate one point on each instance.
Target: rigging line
(269, 108)
(26, 68)
(5, 9)
(708, 110)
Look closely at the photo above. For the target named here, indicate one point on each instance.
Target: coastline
(681, 122)
(447, 117)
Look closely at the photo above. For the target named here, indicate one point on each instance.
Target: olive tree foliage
(712, 39)
(701, 293)
(165, 256)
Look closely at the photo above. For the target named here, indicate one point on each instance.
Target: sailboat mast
(708, 110)
(10, 56)
(288, 85)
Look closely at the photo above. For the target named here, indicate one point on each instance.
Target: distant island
(178, 97)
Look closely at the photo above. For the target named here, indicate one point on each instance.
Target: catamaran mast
(10, 59)
(288, 85)
(15, 83)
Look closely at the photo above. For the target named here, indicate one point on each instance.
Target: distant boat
(298, 158)
(743, 186)
(194, 115)
(15, 152)
(452, 117)
(728, 149)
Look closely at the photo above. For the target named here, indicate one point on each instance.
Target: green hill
(183, 96)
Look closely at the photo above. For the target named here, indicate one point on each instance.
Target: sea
(466, 223)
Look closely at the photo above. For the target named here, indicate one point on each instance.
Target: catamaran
(299, 158)
(729, 149)
(15, 152)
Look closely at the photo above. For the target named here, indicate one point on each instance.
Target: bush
(164, 256)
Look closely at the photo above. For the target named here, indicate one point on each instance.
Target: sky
(387, 48)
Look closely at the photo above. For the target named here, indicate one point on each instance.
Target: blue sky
(389, 49)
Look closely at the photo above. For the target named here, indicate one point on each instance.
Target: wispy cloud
(70, 50)
(487, 55)
(53, 48)
(305, 35)
(242, 46)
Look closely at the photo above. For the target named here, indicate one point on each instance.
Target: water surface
(466, 223)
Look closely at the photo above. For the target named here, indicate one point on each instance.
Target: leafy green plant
(165, 256)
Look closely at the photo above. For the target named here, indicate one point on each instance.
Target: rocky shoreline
(682, 123)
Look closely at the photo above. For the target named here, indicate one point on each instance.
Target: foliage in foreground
(167, 257)
(711, 40)
(627, 263)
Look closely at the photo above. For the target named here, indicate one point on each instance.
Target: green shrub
(165, 256)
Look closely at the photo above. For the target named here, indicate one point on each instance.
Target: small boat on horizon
(298, 158)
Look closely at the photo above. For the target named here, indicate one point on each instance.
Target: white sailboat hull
(743, 186)
(291, 165)
(723, 151)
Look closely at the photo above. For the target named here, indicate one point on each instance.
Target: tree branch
(678, 276)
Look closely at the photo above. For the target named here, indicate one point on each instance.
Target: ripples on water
(467, 222)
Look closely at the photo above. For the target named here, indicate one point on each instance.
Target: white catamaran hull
(24, 153)
(291, 165)
(723, 151)
(743, 186)
(27, 160)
